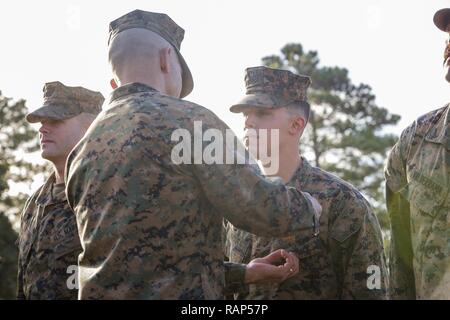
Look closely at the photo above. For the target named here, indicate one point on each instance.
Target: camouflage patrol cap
(272, 88)
(442, 19)
(162, 25)
(62, 102)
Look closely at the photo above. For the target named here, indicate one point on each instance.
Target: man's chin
(47, 155)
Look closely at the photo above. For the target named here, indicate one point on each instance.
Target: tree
(8, 259)
(346, 133)
(17, 138)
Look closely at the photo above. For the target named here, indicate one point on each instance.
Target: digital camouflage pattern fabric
(151, 229)
(334, 264)
(48, 245)
(272, 88)
(418, 187)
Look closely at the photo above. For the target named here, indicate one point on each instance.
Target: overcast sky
(391, 45)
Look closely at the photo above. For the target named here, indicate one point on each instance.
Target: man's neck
(289, 162)
(59, 172)
(156, 84)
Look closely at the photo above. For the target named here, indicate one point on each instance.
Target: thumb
(276, 256)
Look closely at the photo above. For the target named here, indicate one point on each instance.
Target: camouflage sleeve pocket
(424, 194)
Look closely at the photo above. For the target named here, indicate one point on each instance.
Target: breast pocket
(428, 174)
(316, 278)
(425, 193)
(65, 239)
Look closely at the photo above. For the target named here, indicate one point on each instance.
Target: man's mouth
(249, 135)
(46, 141)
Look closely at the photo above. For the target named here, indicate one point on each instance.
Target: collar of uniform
(440, 133)
(301, 174)
(130, 88)
(46, 197)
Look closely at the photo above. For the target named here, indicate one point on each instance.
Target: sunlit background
(391, 45)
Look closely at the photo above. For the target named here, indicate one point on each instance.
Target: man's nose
(44, 128)
(249, 123)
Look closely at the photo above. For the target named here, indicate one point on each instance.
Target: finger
(296, 262)
(275, 256)
(291, 266)
(289, 257)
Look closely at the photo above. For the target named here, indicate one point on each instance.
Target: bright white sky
(391, 45)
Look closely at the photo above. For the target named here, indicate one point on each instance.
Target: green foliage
(15, 135)
(17, 138)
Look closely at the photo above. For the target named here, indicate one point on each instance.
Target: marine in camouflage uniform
(151, 228)
(334, 264)
(48, 238)
(418, 201)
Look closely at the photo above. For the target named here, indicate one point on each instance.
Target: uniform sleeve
(395, 171)
(20, 293)
(364, 267)
(265, 207)
(234, 272)
(235, 278)
(402, 284)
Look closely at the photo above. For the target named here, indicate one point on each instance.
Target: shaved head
(300, 109)
(140, 55)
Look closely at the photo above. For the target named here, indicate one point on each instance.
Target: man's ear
(164, 59)
(298, 124)
(113, 84)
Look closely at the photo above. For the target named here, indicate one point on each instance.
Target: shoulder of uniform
(346, 191)
(433, 115)
(350, 207)
(421, 126)
(188, 113)
(31, 199)
(36, 193)
(352, 200)
(423, 123)
(181, 111)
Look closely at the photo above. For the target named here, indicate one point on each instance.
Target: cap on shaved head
(158, 24)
